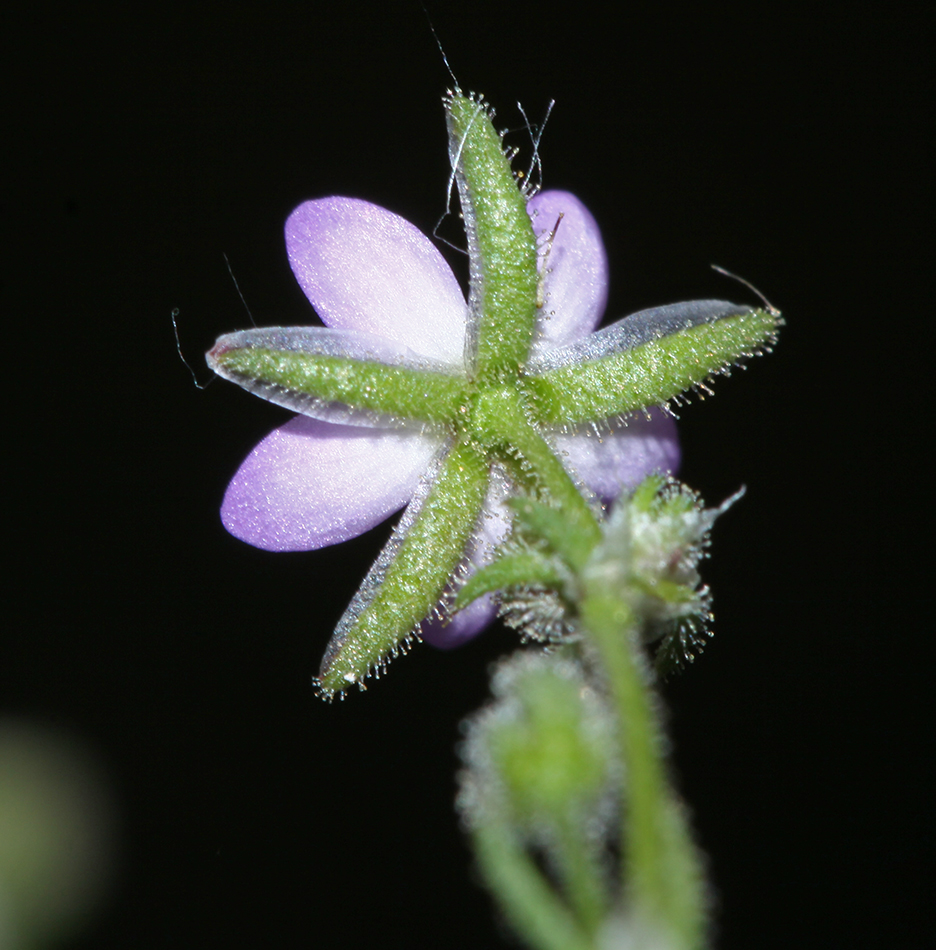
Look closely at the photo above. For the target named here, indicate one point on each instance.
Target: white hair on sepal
(529, 187)
(455, 160)
(590, 496)
(173, 316)
(479, 550)
(538, 613)
(448, 66)
(374, 579)
(595, 428)
(545, 239)
(768, 306)
(379, 667)
(542, 295)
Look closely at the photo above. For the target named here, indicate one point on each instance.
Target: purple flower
(378, 282)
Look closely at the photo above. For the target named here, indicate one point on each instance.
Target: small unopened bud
(653, 544)
(540, 757)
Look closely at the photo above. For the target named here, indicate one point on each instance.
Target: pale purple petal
(464, 626)
(309, 484)
(365, 268)
(624, 457)
(576, 285)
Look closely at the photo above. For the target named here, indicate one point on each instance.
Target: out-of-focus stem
(585, 885)
(526, 898)
(660, 872)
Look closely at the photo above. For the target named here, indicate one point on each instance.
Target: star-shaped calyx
(408, 393)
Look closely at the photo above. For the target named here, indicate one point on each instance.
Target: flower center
(494, 415)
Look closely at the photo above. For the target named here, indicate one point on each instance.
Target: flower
(410, 393)
(314, 482)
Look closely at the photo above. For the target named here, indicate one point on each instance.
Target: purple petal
(576, 285)
(461, 628)
(623, 458)
(309, 484)
(365, 268)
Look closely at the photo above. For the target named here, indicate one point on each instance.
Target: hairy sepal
(406, 583)
(501, 243)
(646, 359)
(524, 569)
(340, 376)
(563, 531)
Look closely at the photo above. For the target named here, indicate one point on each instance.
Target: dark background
(147, 144)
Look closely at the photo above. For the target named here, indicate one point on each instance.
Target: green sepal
(524, 569)
(564, 531)
(650, 373)
(501, 243)
(670, 592)
(406, 583)
(312, 383)
(647, 494)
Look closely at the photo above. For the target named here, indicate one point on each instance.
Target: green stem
(582, 876)
(660, 869)
(660, 866)
(523, 893)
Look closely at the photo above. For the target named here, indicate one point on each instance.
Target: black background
(146, 144)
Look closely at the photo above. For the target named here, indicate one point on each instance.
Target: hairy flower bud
(654, 541)
(541, 755)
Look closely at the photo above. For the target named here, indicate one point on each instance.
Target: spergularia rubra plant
(505, 425)
(408, 394)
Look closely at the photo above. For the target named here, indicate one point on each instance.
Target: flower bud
(653, 541)
(540, 757)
